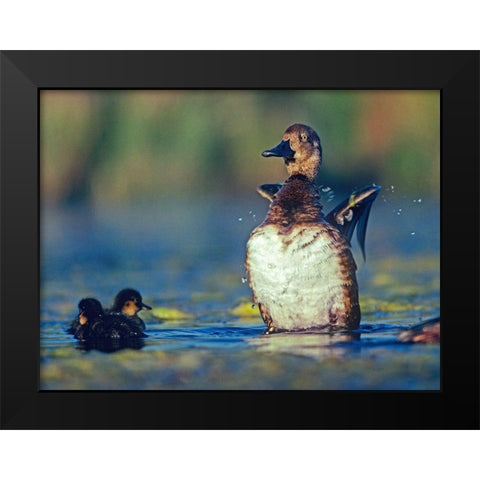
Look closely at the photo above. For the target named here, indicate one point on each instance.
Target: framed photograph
(237, 240)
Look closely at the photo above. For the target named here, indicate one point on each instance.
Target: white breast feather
(299, 285)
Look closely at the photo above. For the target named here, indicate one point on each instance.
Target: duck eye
(303, 136)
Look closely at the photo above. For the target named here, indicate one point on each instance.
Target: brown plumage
(299, 202)
(299, 266)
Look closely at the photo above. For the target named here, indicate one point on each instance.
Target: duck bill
(145, 307)
(281, 150)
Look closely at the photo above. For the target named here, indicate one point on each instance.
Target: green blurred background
(115, 147)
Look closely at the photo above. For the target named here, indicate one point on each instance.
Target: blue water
(188, 256)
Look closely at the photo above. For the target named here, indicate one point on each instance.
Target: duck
(299, 263)
(427, 331)
(129, 302)
(94, 324)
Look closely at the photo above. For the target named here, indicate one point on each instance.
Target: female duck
(129, 302)
(93, 323)
(299, 265)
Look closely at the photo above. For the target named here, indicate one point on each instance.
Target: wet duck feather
(299, 264)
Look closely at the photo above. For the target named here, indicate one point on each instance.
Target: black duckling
(129, 302)
(299, 265)
(89, 311)
(95, 324)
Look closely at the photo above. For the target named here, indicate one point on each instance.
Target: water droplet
(250, 212)
(240, 219)
(419, 200)
(326, 189)
(244, 279)
(392, 188)
(412, 233)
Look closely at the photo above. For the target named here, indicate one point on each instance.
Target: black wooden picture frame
(25, 73)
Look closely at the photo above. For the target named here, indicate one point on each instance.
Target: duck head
(89, 310)
(129, 302)
(300, 149)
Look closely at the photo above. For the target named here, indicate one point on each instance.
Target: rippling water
(186, 258)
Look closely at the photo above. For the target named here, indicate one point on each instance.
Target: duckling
(346, 216)
(90, 310)
(129, 302)
(95, 324)
(299, 264)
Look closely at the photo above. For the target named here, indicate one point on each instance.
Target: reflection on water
(186, 258)
(313, 345)
(109, 346)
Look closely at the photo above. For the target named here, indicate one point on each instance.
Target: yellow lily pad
(372, 305)
(169, 313)
(245, 309)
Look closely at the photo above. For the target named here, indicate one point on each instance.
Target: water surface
(186, 258)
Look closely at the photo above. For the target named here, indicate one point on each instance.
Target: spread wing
(353, 213)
